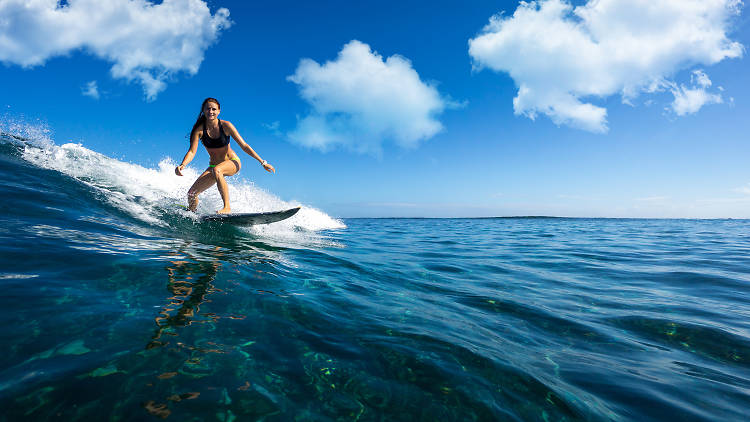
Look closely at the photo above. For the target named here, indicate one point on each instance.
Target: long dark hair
(201, 118)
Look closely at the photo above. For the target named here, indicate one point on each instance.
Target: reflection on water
(189, 282)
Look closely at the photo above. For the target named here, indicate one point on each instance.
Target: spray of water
(149, 194)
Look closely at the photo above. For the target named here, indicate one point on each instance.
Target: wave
(151, 196)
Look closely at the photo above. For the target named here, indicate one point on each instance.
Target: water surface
(118, 305)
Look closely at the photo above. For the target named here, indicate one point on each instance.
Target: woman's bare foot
(225, 210)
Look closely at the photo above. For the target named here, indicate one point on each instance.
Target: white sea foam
(149, 193)
(17, 276)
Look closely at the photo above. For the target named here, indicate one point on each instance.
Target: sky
(600, 108)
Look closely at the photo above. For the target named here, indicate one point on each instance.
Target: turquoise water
(117, 305)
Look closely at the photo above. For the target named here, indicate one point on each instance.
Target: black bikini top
(221, 141)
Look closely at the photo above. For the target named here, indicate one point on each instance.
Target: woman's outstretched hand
(269, 168)
(178, 170)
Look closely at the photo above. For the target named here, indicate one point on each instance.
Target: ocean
(118, 305)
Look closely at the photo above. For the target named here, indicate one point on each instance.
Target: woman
(223, 162)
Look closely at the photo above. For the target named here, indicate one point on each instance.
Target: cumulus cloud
(562, 57)
(91, 90)
(146, 42)
(359, 100)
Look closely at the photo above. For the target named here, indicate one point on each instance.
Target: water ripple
(105, 315)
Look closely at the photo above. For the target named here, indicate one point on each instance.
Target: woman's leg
(203, 182)
(227, 168)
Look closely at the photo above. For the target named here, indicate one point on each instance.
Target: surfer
(223, 161)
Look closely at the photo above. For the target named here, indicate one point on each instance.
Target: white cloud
(91, 90)
(359, 100)
(273, 127)
(146, 42)
(560, 56)
(690, 100)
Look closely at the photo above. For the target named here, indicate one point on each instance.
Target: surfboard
(250, 219)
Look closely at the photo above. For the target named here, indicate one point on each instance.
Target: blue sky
(383, 108)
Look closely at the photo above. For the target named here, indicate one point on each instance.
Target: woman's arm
(190, 154)
(245, 147)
